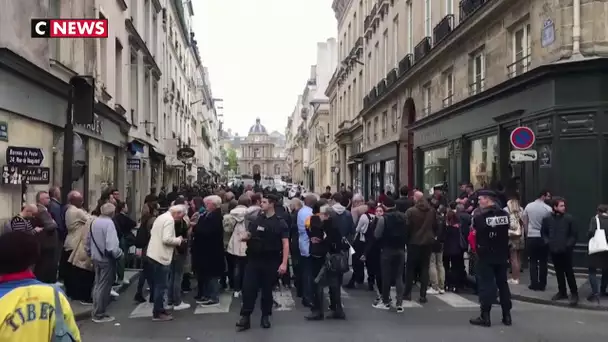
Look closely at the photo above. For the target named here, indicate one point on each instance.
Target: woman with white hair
(208, 257)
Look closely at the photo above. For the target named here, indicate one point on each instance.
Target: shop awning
(355, 158)
(136, 147)
(156, 154)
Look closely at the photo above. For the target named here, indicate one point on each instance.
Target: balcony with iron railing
(381, 87)
(391, 77)
(405, 64)
(468, 7)
(366, 101)
(448, 100)
(520, 66)
(383, 7)
(443, 28)
(477, 87)
(422, 49)
(373, 94)
(374, 14)
(367, 26)
(426, 111)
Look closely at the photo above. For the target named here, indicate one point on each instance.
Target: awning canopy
(156, 154)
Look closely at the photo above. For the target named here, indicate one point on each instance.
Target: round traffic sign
(522, 138)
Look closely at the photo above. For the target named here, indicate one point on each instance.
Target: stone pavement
(84, 311)
(523, 293)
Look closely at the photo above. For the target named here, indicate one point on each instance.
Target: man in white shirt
(160, 254)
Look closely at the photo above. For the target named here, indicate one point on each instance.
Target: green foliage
(232, 160)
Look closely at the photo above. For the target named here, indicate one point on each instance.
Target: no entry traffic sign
(522, 138)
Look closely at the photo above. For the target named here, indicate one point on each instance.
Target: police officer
(492, 242)
(267, 253)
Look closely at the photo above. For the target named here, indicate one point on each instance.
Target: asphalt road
(443, 318)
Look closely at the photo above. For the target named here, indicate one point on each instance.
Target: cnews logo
(69, 28)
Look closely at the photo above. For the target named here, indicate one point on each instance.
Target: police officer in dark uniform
(492, 242)
(267, 253)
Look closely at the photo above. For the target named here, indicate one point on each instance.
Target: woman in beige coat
(82, 267)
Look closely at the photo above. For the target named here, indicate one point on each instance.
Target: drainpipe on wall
(576, 29)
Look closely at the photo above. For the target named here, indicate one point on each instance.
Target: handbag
(61, 332)
(339, 262)
(105, 253)
(597, 243)
(515, 222)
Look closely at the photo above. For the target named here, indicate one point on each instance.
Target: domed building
(261, 153)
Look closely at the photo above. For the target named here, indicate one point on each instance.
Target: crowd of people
(245, 238)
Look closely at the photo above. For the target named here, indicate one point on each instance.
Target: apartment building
(446, 82)
(311, 145)
(139, 118)
(34, 76)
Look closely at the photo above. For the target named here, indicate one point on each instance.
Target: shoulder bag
(61, 332)
(597, 243)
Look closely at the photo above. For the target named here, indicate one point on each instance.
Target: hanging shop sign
(30, 156)
(185, 153)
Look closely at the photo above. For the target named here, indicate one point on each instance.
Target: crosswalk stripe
(142, 310)
(285, 300)
(223, 307)
(456, 301)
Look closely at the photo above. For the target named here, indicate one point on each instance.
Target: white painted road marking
(456, 301)
(223, 307)
(285, 300)
(142, 310)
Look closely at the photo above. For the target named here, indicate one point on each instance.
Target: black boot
(243, 324)
(483, 320)
(265, 322)
(506, 319)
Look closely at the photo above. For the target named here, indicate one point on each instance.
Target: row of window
(521, 46)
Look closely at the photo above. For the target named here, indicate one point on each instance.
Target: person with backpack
(236, 225)
(437, 270)
(454, 246)
(391, 233)
(363, 237)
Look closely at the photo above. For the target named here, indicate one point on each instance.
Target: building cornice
(340, 8)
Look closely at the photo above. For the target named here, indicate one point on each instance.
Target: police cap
(272, 197)
(487, 193)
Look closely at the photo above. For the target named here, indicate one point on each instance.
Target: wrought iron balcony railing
(477, 87)
(422, 49)
(405, 64)
(448, 100)
(468, 7)
(443, 28)
(520, 66)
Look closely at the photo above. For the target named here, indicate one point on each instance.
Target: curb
(84, 315)
(580, 306)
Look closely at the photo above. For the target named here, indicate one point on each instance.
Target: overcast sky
(259, 54)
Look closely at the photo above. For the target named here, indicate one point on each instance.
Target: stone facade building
(262, 152)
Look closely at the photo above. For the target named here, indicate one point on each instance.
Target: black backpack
(395, 230)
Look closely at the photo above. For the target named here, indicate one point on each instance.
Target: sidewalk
(82, 312)
(522, 293)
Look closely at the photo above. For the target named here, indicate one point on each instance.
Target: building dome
(258, 128)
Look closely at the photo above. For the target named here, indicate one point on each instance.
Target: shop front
(379, 167)
(565, 107)
(32, 105)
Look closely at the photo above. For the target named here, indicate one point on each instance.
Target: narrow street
(443, 318)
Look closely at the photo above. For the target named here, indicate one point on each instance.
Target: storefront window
(484, 159)
(375, 177)
(436, 168)
(356, 178)
(389, 176)
(102, 168)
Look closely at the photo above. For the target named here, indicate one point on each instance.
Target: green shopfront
(566, 105)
